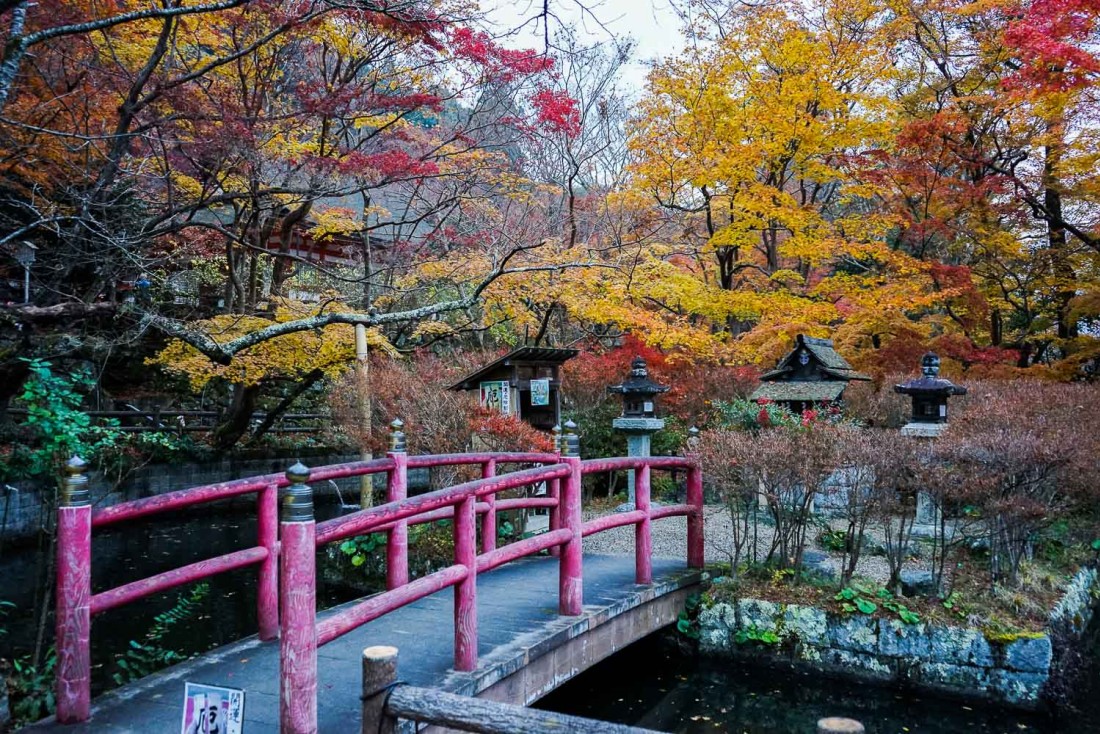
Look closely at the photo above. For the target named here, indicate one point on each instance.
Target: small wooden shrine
(812, 374)
(525, 383)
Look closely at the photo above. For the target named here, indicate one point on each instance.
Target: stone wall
(1012, 668)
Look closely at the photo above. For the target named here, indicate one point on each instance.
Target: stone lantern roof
(638, 383)
(930, 384)
(929, 393)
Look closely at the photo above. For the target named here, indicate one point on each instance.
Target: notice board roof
(526, 355)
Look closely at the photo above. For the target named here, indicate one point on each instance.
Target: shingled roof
(815, 392)
(821, 381)
(829, 360)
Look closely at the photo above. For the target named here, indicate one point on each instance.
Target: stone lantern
(639, 419)
(929, 393)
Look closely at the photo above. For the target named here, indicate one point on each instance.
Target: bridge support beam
(298, 595)
(74, 597)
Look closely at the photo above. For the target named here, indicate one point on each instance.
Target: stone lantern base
(924, 430)
(638, 432)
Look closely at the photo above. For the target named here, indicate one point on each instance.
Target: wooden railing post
(570, 574)
(643, 537)
(397, 543)
(298, 598)
(74, 594)
(379, 677)
(695, 499)
(553, 491)
(489, 519)
(267, 536)
(465, 530)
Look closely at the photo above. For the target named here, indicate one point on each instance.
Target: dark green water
(654, 684)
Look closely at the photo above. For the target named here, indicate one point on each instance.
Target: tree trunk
(273, 415)
(235, 425)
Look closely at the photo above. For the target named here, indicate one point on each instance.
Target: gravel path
(669, 542)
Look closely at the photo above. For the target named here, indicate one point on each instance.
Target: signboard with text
(540, 392)
(497, 395)
(212, 709)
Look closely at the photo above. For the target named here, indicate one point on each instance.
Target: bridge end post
(298, 597)
(489, 519)
(74, 595)
(643, 530)
(695, 499)
(397, 542)
(379, 678)
(267, 591)
(570, 574)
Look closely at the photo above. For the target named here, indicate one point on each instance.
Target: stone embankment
(1009, 668)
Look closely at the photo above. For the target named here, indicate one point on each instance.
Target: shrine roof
(818, 392)
(828, 361)
(528, 355)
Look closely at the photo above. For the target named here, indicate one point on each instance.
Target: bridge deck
(517, 619)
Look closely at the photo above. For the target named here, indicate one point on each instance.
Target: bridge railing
(285, 552)
(301, 634)
(76, 604)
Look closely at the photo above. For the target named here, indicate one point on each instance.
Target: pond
(658, 684)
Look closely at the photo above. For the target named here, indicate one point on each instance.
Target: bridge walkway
(517, 615)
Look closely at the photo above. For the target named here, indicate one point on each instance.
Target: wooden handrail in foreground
(385, 701)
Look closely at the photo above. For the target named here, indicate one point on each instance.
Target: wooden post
(489, 519)
(695, 499)
(267, 592)
(836, 725)
(397, 543)
(643, 537)
(362, 384)
(74, 594)
(570, 574)
(465, 530)
(379, 676)
(298, 596)
(553, 490)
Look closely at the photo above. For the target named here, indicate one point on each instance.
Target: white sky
(652, 23)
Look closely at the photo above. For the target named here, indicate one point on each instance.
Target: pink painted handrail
(369, 521)
(374, 607)
(287, 574)
(183, 498)
(224, 490)
(522, 548)
(595, 466)
(190, 573)
(500, 457)
(615, 520)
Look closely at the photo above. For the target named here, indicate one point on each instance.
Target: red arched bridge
(522, 636)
